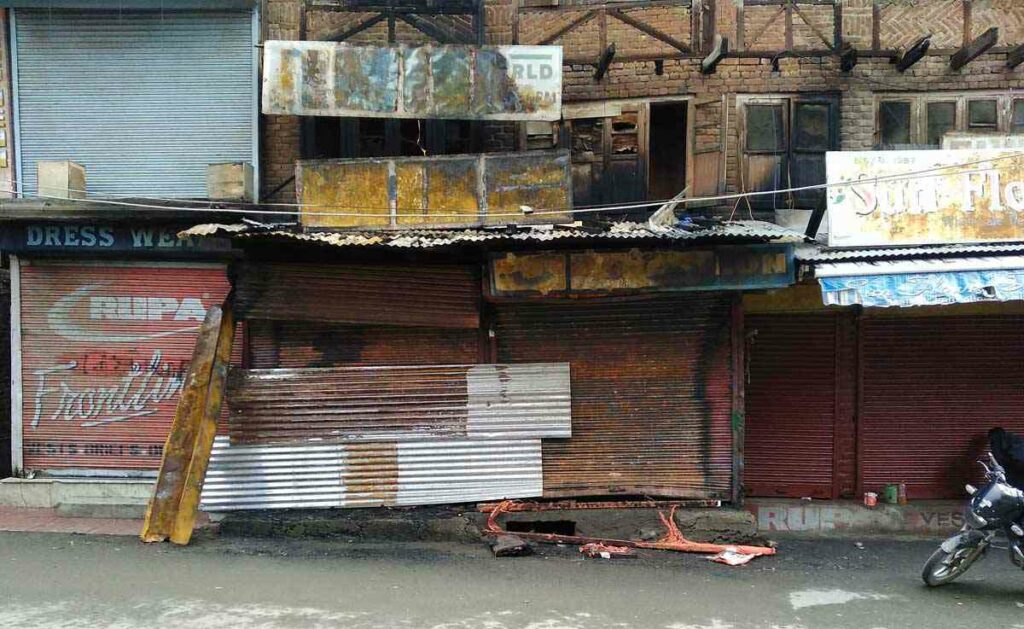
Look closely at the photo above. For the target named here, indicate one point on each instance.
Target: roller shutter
(143, 99)
(932, 387)
(651, 395)
(105, 348)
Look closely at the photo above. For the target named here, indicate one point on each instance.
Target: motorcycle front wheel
(942, 567)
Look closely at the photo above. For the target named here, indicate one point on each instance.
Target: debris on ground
(510, 546)
(606, 551)
(731, 557)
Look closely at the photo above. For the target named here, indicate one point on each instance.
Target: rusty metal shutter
(791, 405)
(651, 395)
(105, 347)
(433, 296)
(295, 345)
(931, 389)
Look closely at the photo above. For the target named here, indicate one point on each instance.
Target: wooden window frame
(919, 108)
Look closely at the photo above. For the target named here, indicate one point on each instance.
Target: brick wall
(279, 142)
(5, 373)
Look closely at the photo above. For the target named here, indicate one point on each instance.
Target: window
(921, 120)
(785, 141)
(386, 137)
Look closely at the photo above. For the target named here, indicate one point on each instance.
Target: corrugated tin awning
(727, 231)
(813, 254)
(903, 283)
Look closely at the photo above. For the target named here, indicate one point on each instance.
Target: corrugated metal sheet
(375, 404)
(370, 475)
(434, 296)
(811, 253)
(143, 100)
(931, 389)
(791, 405)
(728, 231)
(105, 348)
(439, 190)
(651, 392)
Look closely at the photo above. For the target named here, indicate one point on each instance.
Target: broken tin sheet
(310, 78)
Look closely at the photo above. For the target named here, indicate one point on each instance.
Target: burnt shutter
(932, 387)
(651, 395)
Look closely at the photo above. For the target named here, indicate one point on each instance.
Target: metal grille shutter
(105, 348)
(932, 387)
(651, 392)
(143, 100)
(791, 405)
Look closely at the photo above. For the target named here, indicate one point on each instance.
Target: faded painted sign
(310, 78)
(100, 237)
(436, 191)
(837, 517)
(105, 350)
(983, 141)
(631, 270)
(925, 197)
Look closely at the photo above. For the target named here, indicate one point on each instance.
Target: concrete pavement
(83, 582)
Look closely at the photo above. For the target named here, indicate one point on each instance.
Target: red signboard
(105, 349)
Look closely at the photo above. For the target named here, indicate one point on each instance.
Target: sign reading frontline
(309, 78)
(105, 350)
(925, 197)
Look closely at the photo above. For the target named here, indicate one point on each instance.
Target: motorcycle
(995, 508)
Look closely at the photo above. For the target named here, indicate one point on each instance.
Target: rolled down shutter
(143, 100)
(932, 387)
(651, 396)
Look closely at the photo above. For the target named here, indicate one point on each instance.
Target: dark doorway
(667, 161)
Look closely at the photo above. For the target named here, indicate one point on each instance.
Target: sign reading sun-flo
(925, 197)
(309, 78)
(105, 350)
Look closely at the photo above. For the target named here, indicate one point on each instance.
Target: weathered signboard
(310, 78)
(436, 191)
(103, 237)
(592, 272)
(925, 197)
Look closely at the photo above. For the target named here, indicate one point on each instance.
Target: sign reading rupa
(925, 197)
(309, 78)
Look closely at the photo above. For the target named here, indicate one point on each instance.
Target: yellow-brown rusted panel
(447, 190)
(540, 182)
(188, 506)
(410, 182)
(530, 273)
(798, 298)
(371, 473)
(163, 507)
(358, 189)
(737, 263)
(636, 269)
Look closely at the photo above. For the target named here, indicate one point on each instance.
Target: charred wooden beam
(583, 19)
(649, 30)
(430, 29)
(848, 59)
(427, 7)
(604, 62)
(719, 49)
(1015, 57)
(975, 49)
(913, 54)
(358, 28)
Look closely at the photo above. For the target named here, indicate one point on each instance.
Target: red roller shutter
(931, 388)
(790, 405)
(651, 394)
(104, 351)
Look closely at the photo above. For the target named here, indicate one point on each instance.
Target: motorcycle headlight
(974, 520)
(971, 489)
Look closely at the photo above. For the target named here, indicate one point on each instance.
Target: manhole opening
(558, 527)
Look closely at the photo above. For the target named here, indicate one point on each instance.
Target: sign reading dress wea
(309, 78)
(925, 197)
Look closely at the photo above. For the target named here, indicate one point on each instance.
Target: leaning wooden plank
(180, 443)
(188, 507)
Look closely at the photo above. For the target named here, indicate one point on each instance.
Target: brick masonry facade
(758, 34)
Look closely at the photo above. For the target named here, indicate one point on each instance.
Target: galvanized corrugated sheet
(434, 296)
(931, 388)
(651, 392)
(814, 254)
(370, 475)
(143, 99)
(379, 404)
(105, 349)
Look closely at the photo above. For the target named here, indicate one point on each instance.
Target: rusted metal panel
(105, 350)
(311, 78)
(434, 296)
(925, 197)
(651, 398)
(449, 190)
(370, 474)
(600, 271)
(380, 404)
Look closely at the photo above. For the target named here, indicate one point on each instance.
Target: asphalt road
(75, 582)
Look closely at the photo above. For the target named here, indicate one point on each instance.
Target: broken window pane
(811, 127)
(765, 128)
(894, 123)
(1017, 124)
(981, 114)
(941, 119)
(587, 137)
